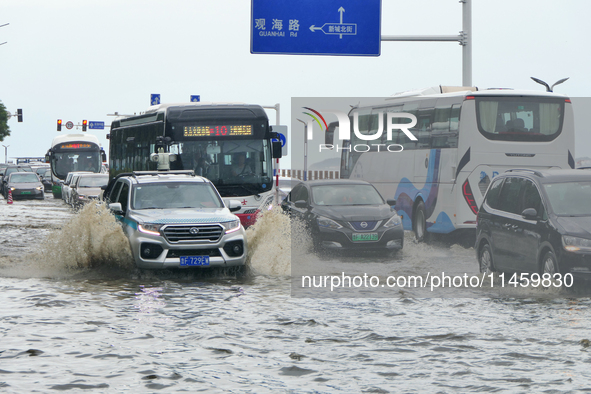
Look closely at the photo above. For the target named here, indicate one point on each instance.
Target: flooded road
(75, 315)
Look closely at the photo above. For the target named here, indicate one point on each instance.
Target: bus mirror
(276, 148)
(329, 133)
(103, 156)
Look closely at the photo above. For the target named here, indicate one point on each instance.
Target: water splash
(90, 239)
(269, 244)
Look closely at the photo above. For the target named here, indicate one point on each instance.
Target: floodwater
(76, 316)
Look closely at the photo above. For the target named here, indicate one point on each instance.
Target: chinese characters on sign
(217, 131)
(277, 29)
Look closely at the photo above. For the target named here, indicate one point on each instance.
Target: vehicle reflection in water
(83, 325)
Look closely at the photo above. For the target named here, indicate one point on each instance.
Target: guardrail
(312, 175)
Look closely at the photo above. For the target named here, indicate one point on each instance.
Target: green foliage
(4, 129)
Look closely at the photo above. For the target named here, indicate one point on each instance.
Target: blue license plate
(194, 261)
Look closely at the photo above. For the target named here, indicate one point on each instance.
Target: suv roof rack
(156, 173)
(535, 172)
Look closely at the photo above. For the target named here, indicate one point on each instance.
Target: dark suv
(536, 222)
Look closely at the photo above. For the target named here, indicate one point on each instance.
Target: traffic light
(19, 113)
(84, 124)
(59, 125)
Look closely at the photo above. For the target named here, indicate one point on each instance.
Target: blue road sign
(96, 125)
(316, 27)
(154, 99)
(195, 99)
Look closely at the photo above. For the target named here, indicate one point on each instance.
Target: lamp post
(5, 153)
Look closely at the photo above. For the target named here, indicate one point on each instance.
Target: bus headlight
(232, 226)
(393, 222)
(149, 228)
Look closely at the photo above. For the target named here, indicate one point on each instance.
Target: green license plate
(25, 192)
(365, 237)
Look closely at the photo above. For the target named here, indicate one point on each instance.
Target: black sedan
(24, 185)
(346, 214)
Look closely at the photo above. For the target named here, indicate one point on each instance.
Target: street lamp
(5, 153)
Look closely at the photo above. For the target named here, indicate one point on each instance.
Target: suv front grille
(176, 234)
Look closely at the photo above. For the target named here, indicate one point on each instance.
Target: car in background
(45, 178)
(345, 214)
(69, 183)
(177, 220)
(536, 222)
(9, 170)
(87, 187)
(24, 185)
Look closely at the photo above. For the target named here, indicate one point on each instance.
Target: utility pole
(5, 153)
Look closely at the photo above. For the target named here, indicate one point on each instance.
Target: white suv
(175, 219)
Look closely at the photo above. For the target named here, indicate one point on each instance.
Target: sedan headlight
(232, 226)
(81, 196)
(576, 244)
(393, 222)
(39, 188)
(149, 228)
(328, 223)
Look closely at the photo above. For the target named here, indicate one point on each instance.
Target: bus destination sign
(217, 131)
(75, 146)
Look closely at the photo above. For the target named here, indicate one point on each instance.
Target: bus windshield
(64, 162)
(236, 167)
(519, 118)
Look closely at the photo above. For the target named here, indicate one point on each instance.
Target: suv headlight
(328, 223)
(393, 222)
(232, 226)
(576, 244)
(149, 228)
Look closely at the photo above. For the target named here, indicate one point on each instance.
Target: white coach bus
(465, 137)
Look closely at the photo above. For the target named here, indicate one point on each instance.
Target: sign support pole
(464, 38)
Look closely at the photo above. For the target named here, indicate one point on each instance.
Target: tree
(4, 129)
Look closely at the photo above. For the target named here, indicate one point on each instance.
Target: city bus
(228, 143)
(73, 152)
(464, 138)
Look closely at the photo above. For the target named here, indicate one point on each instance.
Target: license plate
(194, 261)
(364, 237)
(25, 192)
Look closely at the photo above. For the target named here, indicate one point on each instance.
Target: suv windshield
(569, 198)
(175, 195)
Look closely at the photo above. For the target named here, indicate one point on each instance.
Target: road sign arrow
(341, 10)
(313, 28)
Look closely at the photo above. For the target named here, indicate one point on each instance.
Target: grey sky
(74, 59)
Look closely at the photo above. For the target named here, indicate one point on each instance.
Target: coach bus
(73, 152)
(464, 138)
(229, 143)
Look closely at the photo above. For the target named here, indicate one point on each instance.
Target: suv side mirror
(233, 205)
(301, 204)
(391, 202)
(529, 214)
(116, 208)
